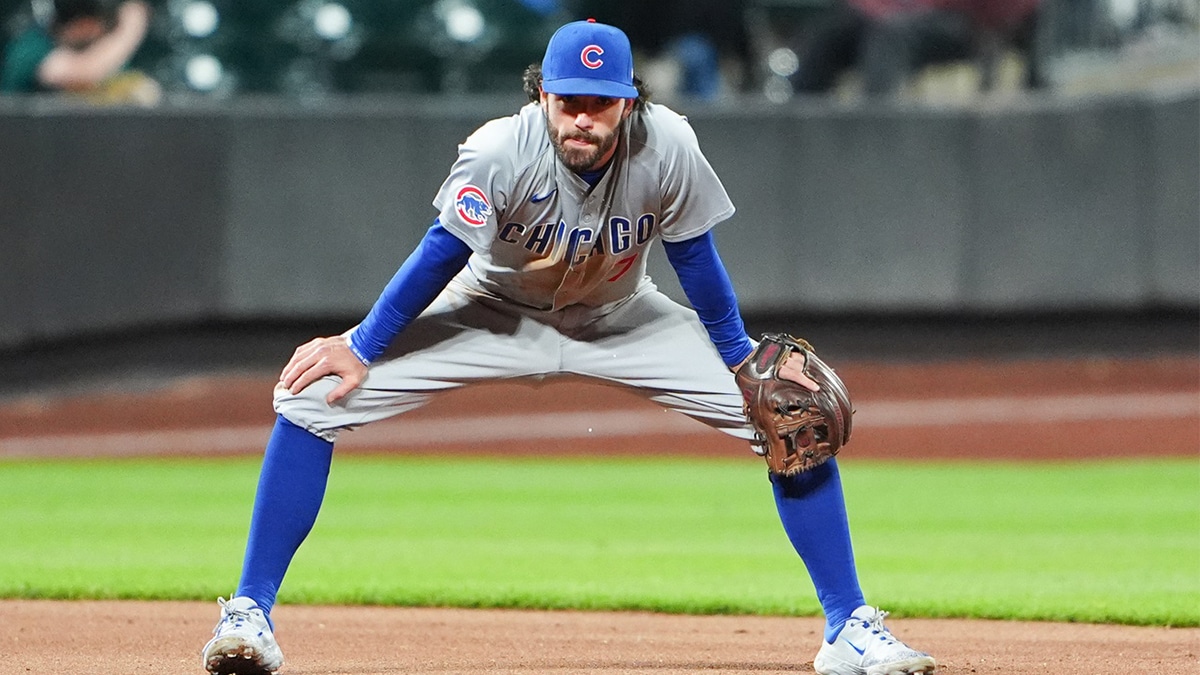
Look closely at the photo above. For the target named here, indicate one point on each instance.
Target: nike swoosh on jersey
(535, 198)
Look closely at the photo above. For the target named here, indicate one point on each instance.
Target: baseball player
(536, 266)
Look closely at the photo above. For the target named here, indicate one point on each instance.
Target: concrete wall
(115, 219)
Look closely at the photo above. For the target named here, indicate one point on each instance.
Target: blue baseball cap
(585, 58)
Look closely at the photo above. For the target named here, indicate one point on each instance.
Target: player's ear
(541, 95)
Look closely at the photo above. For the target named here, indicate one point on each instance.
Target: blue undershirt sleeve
(707, 286)
(428, 269)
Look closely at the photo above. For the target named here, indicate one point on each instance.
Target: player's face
(584, 129)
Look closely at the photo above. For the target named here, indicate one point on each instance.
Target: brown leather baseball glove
(797, 429)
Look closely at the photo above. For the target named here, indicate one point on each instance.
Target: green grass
(1099, 542)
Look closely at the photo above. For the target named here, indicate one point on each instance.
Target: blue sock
(291, 486)
(813, 512)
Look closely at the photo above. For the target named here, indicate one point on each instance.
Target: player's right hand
(320, 357)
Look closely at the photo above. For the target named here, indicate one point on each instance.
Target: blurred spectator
(888, 41)
(81, 47)
(697, 36)
(998, 25)
(543, 7)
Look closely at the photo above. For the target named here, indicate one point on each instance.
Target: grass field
(1097, 542)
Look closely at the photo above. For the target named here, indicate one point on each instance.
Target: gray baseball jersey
(556, 282)
(544, 238)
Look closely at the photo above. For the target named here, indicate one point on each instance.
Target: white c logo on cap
(591, 56)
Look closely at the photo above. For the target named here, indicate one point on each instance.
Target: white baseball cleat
(242, 642)
(866, 647)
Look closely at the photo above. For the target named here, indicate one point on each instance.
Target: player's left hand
(320, 357)
(798, 425)
(792, 369)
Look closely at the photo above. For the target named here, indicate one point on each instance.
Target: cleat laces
(231, 617)
(875, 625)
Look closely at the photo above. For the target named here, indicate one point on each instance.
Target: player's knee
(308, 409)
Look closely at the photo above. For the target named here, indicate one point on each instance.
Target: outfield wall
(115, 219)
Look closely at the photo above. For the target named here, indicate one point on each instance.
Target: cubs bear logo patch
(472, 206)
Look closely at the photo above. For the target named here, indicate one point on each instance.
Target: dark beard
(577, 159)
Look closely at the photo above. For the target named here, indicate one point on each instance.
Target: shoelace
(875, 625)
(231, 617)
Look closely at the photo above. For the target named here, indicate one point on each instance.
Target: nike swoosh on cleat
(855, 648)
(535, 198)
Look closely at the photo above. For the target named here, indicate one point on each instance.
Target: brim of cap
(583, 86)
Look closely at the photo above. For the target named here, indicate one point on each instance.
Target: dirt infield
(1093, 408)
(116, 638)
(971, 410)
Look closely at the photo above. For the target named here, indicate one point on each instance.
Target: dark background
(219, 229)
